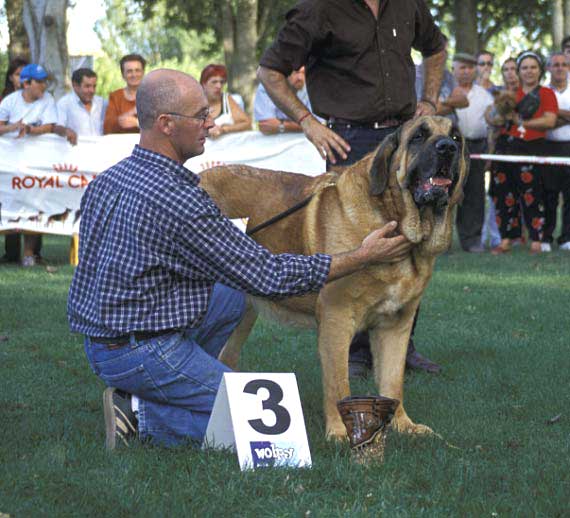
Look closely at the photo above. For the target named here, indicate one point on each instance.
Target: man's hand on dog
(380, 246)
(384, 245)
(328, 143)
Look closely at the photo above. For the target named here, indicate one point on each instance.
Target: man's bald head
(164, 91)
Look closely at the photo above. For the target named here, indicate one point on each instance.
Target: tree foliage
(124, 30)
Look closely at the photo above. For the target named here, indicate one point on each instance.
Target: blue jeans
(175, 376)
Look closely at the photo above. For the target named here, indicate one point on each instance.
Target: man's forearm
(40, 130)
(345, 264)
(433, 75)
(281, 94)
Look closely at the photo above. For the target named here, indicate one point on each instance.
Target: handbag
(529, 104)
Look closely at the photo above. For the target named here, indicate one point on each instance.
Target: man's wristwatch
(281, 127)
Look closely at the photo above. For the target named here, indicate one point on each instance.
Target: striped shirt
(153, 243)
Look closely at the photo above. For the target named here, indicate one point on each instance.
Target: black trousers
(471, 212)
(556, 182)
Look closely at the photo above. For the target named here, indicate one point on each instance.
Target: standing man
(471, 122)
(360, 78)
(161, 275)
(271, 119)
(556, 179)
(121, 115)
(485, 62)
(29, 111)
(81, 112)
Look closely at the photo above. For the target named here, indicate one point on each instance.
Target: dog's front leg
(336, 329)
(389, 346)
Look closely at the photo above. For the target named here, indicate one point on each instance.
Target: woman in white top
(227, 115)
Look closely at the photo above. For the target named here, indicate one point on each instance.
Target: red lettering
(84, 181)
(28, 182)
(71, 181)
(16, 182)
(48, 182)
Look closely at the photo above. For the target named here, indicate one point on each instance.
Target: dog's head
(423, 167)
(426, 156)
(502, 109)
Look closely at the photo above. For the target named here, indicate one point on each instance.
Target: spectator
(81, 112)
(485, 62)
(490, 232)
(12, 81)
(270, 118)
(509, 72)
(152, 306)
(29, 111)
(228, 116)
(450, 97)
(515, 185)
(557, 178)
(471, 122)
(121, 114)
(12, 241)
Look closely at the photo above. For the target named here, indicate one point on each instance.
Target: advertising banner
(42, 179)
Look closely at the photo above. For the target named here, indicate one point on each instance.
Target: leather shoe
(414, 360)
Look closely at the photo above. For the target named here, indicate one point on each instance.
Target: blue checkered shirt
(152, 245)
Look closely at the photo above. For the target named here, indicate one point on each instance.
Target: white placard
(260, 416)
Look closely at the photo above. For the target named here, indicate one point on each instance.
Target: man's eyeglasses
(202, 118)
(559, 65)
(485, 63)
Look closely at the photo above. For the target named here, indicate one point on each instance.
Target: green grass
(499, 326)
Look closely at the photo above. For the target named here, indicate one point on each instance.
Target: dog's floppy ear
(380, 170)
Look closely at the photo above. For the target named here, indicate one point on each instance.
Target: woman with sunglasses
(519, 185)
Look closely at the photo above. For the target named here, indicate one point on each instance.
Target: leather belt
(386, 123)
(119, 341)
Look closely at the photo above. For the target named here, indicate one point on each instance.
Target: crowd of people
(519, 194)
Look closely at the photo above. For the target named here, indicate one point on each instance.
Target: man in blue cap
(29, 111)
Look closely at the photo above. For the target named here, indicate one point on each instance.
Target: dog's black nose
(445, 146)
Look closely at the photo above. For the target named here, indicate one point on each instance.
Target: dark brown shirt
(358, 68)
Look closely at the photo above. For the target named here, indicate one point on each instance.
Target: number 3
(283, 419)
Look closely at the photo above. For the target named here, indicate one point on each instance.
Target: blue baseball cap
(33, 71)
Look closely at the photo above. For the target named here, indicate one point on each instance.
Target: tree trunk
(566, 18)
(465, 26)
(240, 39)
(245, 59)
(46, 25)
(557, 23)
(19, 45)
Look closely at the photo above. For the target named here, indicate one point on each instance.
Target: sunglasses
(485, 63)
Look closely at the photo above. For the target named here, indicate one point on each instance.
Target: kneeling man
(162, 273)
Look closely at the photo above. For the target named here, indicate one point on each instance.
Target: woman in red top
(517, 185)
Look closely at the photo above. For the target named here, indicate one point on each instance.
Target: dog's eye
(419, 135)
(456, 137)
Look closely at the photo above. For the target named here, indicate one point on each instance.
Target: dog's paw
(405, 425)
(337, 434)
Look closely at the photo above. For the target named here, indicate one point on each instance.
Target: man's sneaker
(565, 246)
(545, 247)
(120, 420)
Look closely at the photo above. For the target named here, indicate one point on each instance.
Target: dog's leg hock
(231, 352)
